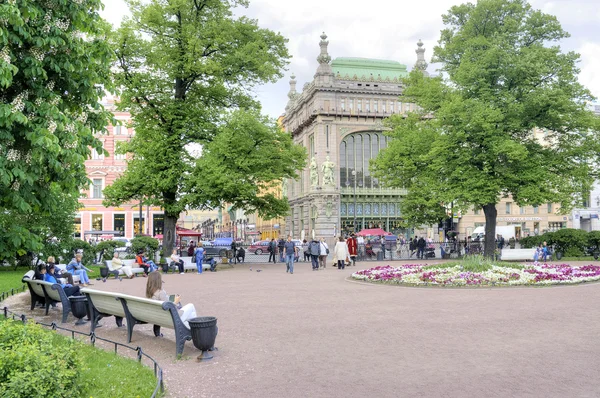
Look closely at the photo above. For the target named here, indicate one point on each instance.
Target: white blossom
(13, 155)
(18, 104)
(37, 53)
(15, 186)
(28, 158)
(5, 55)
(51, 126)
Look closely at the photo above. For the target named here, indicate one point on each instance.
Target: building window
(77, 227)
(549, 208)
(508, 204)
(117, 129)
(376, 106)
(384, 209)
(343, 104)
(97, 188)
(383, 106)
(327, 136)
(119, 222)
(311, 141)
(136, 225)
(476, 211)
(359, 105)
(97, 222)
(158, 224)
(375, 209)
(356, 150)
(521, 210)
(351, 104)
(367, 209)
(97, 155)
(120, 156)
(392, 106)
(536, 210)
(368, 105)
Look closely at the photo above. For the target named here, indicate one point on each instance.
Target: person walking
(382, 241)
(545, 252)
(315, 251)
(352, 248)
(341, 253)
(323, 252)
(281, 246)
(305, 250)
(290, 250)
(421, 247)
(199, 253)
(272, 248)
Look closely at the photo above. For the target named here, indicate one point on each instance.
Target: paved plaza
(316, 334)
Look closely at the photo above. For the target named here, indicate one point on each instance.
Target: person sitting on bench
(155, 291)
(177, 260)
(50, 276)
(117, 264)
(76, 267)
(139, 259)
(57, 272)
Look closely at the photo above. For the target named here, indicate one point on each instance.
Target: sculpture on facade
(327, 168)
(314, 173)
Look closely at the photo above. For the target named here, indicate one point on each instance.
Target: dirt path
(314, 334)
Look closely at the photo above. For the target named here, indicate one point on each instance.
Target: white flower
(13, 155)
(18, 104)
(37, 53)
(5, 55)
(51, 126)
(15, 186)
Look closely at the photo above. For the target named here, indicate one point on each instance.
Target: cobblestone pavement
(315, 334)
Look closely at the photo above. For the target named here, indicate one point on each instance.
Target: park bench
(188, 265)
(517, 254)
(132, 263)
(103, 304)
(48, 293)
(139, 310)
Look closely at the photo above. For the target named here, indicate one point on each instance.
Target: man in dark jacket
(272, 248)
(421, 247)
(281, 245)
(315, 249)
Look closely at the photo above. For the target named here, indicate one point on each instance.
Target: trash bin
(379, 256)
(204, 333)
(79, 308)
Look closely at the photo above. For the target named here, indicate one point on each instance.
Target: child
(536, 255)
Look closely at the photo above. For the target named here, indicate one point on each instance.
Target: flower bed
(421, 275)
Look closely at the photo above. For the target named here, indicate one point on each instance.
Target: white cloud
(384, 29)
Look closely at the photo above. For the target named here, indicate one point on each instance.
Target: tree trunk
(490, 229)
(169, 234)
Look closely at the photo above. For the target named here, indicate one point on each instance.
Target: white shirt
(323, 250)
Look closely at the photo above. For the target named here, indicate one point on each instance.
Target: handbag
(327, 250)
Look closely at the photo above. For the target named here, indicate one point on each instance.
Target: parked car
(126, 248)
(218, 247)
(259, 247)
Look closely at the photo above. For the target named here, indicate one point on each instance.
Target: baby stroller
(369, 251)
(430, 252)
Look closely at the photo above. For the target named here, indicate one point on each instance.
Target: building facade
(103, 170)
(338, 118)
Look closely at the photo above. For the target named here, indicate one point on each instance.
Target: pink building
(102, 171)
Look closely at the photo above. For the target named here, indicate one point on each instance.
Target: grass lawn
(108, 375)
(11, 279)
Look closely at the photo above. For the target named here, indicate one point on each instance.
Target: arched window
(356, 150)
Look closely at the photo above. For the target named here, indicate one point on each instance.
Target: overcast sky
(386, 29)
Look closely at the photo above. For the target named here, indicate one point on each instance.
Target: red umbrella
(373, 232)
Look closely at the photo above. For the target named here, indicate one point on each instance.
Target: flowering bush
(420, 274)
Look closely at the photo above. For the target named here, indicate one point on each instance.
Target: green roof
(365, 68)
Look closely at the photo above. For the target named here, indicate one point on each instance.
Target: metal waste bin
(379, 256)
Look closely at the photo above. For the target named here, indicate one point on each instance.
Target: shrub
(36, 362)
(594, 239)
(107, 248)
(531, 241)
(145, 243)
(569, 240)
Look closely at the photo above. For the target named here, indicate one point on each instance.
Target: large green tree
(54, 62)
(507, 117)
(187, 68)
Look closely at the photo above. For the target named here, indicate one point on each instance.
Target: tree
(186, 68)
(473, 142)
(53, 61)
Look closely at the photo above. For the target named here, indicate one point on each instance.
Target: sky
(386, 29)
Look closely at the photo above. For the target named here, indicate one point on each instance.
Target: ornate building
(338, 118)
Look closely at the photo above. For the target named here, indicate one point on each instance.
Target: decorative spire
(421, 63)
(292, 94)
(324, 59)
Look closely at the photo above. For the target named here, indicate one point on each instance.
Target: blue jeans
(199, 263)
(281, 254)
(289, 260)
(315, 261)
(153, 266)
(83, 276)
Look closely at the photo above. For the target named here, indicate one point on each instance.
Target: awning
(253, 233)
(373, 232)
(187, 232)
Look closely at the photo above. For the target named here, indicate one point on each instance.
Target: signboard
(519, 219)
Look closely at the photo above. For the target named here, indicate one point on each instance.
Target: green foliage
(594, 239)
(37, 363)
(107, 248)
(472, 141)
(11, 278)
(187, 69)
(571, 242)
(75, 245)
(147, 244)
(54, 67)
(532, 241)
